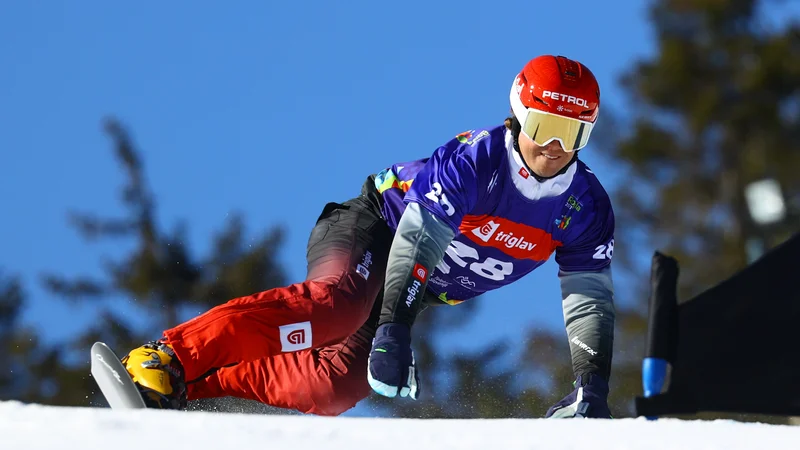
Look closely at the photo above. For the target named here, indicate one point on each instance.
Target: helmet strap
(516, 129)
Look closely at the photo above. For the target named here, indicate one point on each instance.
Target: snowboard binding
(158, 375)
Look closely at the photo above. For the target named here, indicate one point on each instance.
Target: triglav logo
(509, 240)
(486, 231)
(363, 268)
(413, 290)
(517, 240)
(420, 272)
(295, 336)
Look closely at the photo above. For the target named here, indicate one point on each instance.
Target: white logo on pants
(295, 336)
(363, 268)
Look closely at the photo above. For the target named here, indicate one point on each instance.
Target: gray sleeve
(418, 246)
(589, 317)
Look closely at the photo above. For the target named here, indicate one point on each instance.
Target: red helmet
(556, 98)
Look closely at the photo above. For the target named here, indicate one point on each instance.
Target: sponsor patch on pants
(295, 336)
(363, 267)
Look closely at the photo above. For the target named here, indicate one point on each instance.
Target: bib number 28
(604, 251)
(490, 268)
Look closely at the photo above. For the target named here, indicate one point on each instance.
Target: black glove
(589, 399)
(391, 368)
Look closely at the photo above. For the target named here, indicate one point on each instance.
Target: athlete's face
(544, 161)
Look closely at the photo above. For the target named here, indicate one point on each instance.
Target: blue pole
(654, 373)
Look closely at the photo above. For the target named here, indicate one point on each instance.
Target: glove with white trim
(391, 369)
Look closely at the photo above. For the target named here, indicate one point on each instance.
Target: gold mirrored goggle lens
(543, 128)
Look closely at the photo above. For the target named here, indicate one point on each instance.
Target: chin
(546, 171)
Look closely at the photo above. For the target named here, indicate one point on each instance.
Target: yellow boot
(158, 374)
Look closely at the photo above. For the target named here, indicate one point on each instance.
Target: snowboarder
(486, 208)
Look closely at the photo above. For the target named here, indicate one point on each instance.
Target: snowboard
(112, 378)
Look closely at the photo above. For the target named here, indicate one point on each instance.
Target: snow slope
(45, 427)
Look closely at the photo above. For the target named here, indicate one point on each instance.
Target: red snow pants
(303, 346)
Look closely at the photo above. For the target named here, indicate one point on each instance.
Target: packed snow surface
(33, 427)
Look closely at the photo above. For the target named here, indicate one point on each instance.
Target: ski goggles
(543, 127)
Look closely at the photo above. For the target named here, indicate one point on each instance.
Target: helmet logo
(566, 98)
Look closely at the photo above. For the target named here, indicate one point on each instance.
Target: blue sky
(267, 108)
